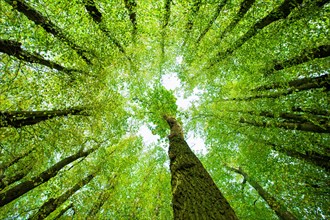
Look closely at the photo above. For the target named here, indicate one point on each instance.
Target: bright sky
(172, 82)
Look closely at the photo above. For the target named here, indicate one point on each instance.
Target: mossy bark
(195, 195)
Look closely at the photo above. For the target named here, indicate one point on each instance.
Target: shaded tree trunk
(97, 17)
(47, 24)
(131, 8)
(6, 181)
(15, 160)
(103, 197)
(195, 195)
(311, 82)
(309, 156)
(13, 48)
(305, 126)
(22, 188)
(19, 119)
(280, 12)
(305, 56)
(52, 204)
(213, 19)
(63, 211)
(244, 7)
(275, 205)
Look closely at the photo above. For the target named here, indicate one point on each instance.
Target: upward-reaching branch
(195, 195)
(47, 24)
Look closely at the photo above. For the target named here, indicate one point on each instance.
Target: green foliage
(241, 121)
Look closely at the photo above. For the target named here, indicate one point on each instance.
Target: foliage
(264, 104)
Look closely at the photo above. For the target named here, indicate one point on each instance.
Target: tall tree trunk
(195, 195)
(19, 119)
(304, 126)
(6, 181)
(22, 188)
(244, 7)
(13, 48)
(305, 56)
(47, 24)
(275, 205)
(309, 156)
(213, 19)
(52, 204)
(97, 17)
(280, 12)
(314, 82)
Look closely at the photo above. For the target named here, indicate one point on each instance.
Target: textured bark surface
(279, 209)
(18, 119)
(195, 195)
(22, 188)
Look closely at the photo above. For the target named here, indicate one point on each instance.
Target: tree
(247, 80)
(279, 209)
(195, 195)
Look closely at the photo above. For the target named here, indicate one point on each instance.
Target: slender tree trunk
(22, 188)
(6, 181)
(306, 126)
(305, 56)
(97, 17)
(275, 205)
(280, 12)
(15, 160)
(52, 204)
(211, 22)
(13, 48)
(195, 195)
(103, 197)
(47, 24)
(244, 7)
(318, 82)
(19, 119)
(63, 211)
(311, 157)
(131, 8)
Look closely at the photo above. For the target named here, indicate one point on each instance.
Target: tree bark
(305, 56)
(311, 82)
(97, 17)
(131, 8)
(213, 19)
(275, 205)
(305, 126)
(244, 7)
(280, 12)
(63, 211)
(103, 197)
(13, 48)
(52, 204)
(19, 119)
(195, 195)
(47, 24)
(22, 188)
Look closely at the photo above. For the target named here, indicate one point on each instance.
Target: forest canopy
(84, 87)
